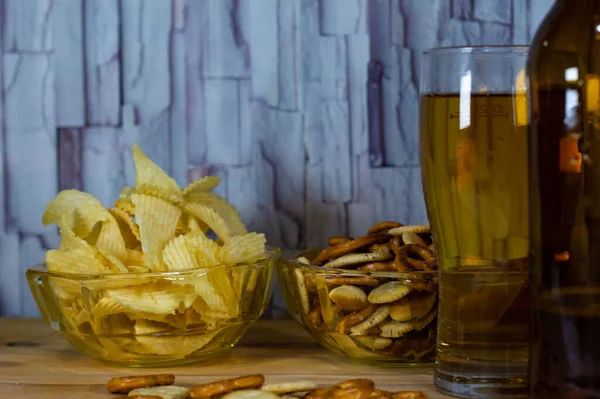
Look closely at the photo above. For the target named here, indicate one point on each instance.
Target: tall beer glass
(474, 164)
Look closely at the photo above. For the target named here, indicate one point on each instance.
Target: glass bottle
(564, 145)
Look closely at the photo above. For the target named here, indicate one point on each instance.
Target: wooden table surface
(36, 362)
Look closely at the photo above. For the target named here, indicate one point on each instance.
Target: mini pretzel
(314, 317)
(380, 247)
(396, 245)
(348, 247)
(361, 383)
(408, 395)
(225, 386)
(379, 394)
(333, 241)
(354, 389)
(378, 267)
(129, 383)
(383, 226)
(322, 393)
(353, 319)
(420, 285)
(363, 280)
(426, 261)
(403, 344)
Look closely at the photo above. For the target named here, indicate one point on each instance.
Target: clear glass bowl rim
(273, 254)
(293, 263)
(488, 49)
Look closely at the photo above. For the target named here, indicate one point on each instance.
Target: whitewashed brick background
(270, 95)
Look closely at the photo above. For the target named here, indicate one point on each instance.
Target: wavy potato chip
(190, 251)
(157, 220)
(114, 264)
(202, 185)
(126, 206)
(82, 317)
(155, 191)
(150, 174)
(76, 261)
(180, 345)
(110, 241)
(107, 306)
(249, 247)
(195, 226)
(227, 211)
(84, 212)
(150, 298)
(135, 258)
(209, 216)
(148, 327)
(138, 269)
(129, 230)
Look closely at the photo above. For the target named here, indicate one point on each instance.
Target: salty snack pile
(250, 386)
(118, 304)
(372, 298)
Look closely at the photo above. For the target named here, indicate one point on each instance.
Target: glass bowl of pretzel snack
(373, 298)
(167, 276)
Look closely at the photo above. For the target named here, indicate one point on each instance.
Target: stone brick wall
(270, 95)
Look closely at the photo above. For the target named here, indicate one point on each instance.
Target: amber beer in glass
(474, 163)
(564, 77)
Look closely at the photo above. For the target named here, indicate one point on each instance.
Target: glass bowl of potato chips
(166, 276)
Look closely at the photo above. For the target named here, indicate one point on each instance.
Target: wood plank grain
(69, 158)
(262, 177)
(379, 15)
(322, 220)
(314, 140)
(101, 171)
(102, 62)
(179, 14)
(153, 139)
(245, 106)
(343, 17)
(537, 11)
(461, 9)
(358, 60)
(226, 53)
(30, 137)
(394, 186)
(177, 113)
(146, 40)
(222, 122)
(334, 78)
(67, 33)
(462, 33)
(281, 152)
(519, 23)
(289, 48)
(31, 253)
(10, 275)
(263, 41)
(244, 195)
(337, 166)
(495, 34)
(197, 172)
(308, 30)
(195, 97)
(52, 369)
(493, 11)
(360, 218)
(27, 26)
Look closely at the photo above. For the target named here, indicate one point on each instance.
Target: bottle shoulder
(568, 28)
